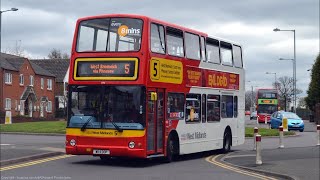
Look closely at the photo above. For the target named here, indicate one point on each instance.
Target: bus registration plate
(99, 151)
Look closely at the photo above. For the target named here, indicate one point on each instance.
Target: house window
(42, 83)
(21, 79)
(8, 104)
(31, 80)
(8, 78)
(49, 83)
(49, 106)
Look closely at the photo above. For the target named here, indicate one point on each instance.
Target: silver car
(253, 115)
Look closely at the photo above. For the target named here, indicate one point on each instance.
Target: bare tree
(250, 99)
(285, 89)
(16, 50)
(56, 54)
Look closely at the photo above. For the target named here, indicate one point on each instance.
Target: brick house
(26, 88)
(59, 68)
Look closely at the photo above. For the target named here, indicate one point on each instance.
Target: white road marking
(53, 149)
(6, 144)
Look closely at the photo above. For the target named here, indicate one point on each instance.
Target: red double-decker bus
(267, 103)
(140, 87)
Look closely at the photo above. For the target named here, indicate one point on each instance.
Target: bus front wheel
(170, 150)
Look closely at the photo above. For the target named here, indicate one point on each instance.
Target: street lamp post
(293, 73)
(275, 77)
(12, 9)
(294, 66)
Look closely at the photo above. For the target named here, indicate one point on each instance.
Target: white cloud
(43, 25)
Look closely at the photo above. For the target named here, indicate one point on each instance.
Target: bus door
(155, 121)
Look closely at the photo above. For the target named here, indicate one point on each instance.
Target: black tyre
(301, 130)
(227, 139)
(170, 150)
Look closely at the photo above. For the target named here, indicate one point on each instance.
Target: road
(85, 167)
(195, 166)
(15, 146)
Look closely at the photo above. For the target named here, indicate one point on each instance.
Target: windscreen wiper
(86, 123)
(117, 127)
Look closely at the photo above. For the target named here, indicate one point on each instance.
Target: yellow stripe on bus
(104, 133)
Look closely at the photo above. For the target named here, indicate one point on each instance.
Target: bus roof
(159, 22)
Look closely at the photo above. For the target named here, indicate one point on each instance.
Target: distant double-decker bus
(267, 103)
(144, 88)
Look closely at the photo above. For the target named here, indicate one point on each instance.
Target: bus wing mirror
(154, 96)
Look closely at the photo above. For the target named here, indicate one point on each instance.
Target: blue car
(294, 121)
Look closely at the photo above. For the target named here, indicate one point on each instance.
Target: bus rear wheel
(227, 139)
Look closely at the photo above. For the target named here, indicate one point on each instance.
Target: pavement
(298, 160)
(295, 163)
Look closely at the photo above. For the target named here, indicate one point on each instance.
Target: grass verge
(60, 128)
(266, 132)
(36, 127)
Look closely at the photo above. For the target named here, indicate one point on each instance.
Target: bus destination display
(106, 70)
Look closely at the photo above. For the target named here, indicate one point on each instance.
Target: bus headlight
(131, 144)
(73, 142)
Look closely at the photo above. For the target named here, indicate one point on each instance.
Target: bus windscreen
(102, 106)
(109, 35)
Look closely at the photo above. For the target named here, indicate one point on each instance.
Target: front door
(155, 121)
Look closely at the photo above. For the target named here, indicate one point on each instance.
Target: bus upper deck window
(157, 39)
(109, 34)
(192, 46)
(175, 42)
(212, 51)
(237, 56)
(226, 54)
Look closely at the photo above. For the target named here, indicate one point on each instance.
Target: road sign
(285, 124)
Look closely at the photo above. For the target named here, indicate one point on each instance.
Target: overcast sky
(41, 25)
